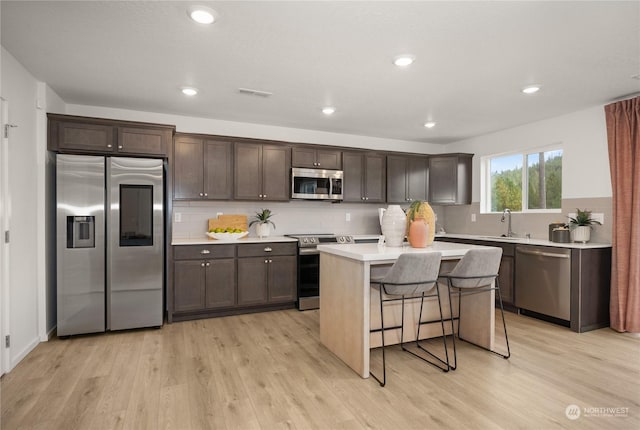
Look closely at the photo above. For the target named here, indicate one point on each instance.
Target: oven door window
(309, 275)
(136, 215)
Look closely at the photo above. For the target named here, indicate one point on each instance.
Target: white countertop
(375, 252)
(525, 241)
(206, 241)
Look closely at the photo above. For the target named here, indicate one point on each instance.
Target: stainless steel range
(309, 264)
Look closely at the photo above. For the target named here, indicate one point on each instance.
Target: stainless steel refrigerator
(109, 251)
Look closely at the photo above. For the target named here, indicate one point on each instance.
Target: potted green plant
(581, 226)
(264, 223)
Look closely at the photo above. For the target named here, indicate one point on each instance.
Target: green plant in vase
(581, 226)
(264, 222)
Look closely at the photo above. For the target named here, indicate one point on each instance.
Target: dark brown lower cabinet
(204, 284)
(266, 280)
(217, 280)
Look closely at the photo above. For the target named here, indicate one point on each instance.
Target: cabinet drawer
(263, 249)
(198, 252)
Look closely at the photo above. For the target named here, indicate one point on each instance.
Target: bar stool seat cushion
(476, 262)
(411, 274)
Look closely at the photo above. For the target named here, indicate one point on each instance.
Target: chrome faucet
(506, 212)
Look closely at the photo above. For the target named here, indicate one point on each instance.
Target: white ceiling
(472, 58)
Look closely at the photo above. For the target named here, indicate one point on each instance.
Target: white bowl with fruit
(227, 233)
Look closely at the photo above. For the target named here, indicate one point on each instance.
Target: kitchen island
(349, 307)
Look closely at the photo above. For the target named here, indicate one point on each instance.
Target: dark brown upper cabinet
(203, 168)
(450, 179)
(82, 135)
(261, 172)
(407, 177)
(302, 156)
(364, 177)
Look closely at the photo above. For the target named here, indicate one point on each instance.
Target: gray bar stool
(474, 273)
(411, 275)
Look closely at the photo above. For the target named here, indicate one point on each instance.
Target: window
(508, 184)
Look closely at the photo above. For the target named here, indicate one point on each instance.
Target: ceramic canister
(394, 224)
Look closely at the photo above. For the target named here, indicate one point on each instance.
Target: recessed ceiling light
(531, 89)
(430, 124)
(404, 60)
(329, 110)
(189, 91)
(202, 14)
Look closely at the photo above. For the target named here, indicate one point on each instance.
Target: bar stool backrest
(477, 268)
(412, 274)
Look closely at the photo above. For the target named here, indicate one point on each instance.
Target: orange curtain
(623, 132)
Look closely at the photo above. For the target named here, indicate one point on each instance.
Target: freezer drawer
(543, 280)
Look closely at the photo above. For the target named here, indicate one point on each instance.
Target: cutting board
(225, 221)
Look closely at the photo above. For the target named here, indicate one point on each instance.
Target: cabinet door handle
(264, 196)
(260, 196)
(266, 261)
(205, 194)
(268, 249)
(362, 198)
(120, 146)
(201, 194)
(202, 264)
(205, 251)
(109, 146)
(208, 264)
(270, 261)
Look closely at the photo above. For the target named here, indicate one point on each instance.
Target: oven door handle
(308, 251)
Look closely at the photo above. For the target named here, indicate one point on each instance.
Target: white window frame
(485, 178)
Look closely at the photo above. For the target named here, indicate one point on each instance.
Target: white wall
(585, 161)
(19, 88)
(240, 129)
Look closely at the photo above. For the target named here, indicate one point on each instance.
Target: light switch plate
(178, 216)
(473, 217)
(347, 217)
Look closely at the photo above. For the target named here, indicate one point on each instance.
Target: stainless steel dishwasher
(543, 280)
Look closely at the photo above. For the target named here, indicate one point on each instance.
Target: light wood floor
(269, 371)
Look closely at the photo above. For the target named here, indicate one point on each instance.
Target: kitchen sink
(501, 237)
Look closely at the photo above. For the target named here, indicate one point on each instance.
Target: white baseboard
(22, 354)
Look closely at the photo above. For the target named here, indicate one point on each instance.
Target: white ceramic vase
(581, 233)
(263, 229)
(394, 225)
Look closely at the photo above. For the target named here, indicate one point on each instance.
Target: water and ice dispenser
(81, 232)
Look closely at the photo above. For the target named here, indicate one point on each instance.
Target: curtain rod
(627, 97)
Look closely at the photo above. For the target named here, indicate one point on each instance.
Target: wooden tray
(226, 221)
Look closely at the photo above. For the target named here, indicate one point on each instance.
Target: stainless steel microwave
(316, 184)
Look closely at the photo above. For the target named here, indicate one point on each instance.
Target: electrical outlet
(218, 214)
(178, 217)
(347, 217)
(473, 217)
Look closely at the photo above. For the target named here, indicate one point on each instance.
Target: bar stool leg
(445, 362)
(384, 364)
(453, 328)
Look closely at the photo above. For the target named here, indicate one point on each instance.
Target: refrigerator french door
(109, 251)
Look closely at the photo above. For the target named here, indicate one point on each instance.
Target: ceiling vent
(252, 92)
